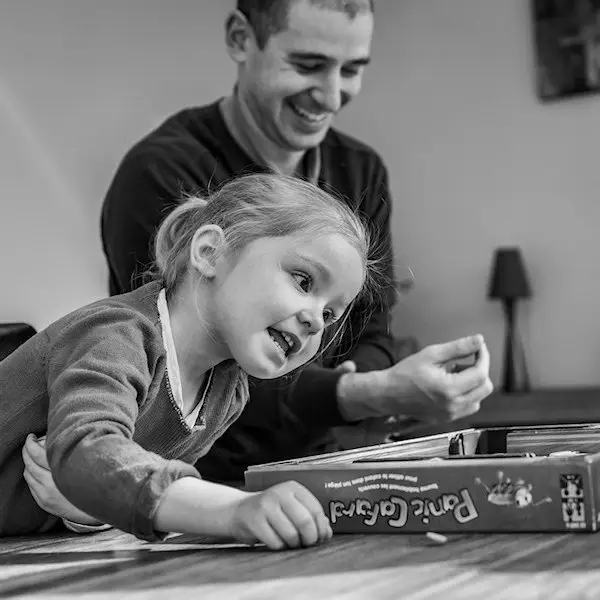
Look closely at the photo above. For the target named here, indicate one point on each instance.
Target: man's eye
(303, 280)
(350, 72)
(308, 67)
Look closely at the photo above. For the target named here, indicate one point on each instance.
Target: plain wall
(476, 160)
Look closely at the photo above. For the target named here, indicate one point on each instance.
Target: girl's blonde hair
(252, 207)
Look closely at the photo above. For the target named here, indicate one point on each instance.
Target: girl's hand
(286, 515)
(43, 489)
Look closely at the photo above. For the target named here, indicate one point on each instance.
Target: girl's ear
(238, 36)
(206, 247)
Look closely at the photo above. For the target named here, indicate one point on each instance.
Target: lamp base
(513, 381)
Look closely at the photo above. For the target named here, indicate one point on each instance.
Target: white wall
(476, 160)
(80, 81)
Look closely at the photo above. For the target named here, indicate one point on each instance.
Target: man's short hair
(268, 17)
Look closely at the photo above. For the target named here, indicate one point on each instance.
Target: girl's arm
(195, 506)
(100, 366)
(286, 515)
(98, 369)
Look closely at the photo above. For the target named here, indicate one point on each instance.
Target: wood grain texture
(115, 565)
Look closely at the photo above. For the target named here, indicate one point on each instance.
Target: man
(299, 62)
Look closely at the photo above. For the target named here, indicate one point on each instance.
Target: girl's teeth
(278, 344)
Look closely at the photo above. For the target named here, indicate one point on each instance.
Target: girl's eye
(303, 280)
(329, 317)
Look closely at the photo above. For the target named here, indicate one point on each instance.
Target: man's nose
(329, 92)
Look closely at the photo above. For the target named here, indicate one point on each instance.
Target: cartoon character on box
(505, 492)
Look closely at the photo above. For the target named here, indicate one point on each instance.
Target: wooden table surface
(480, 566)
(116, 565)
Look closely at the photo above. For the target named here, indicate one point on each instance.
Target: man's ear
(238, 36)
(207, 245)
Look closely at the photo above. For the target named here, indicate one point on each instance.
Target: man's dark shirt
(194, 152)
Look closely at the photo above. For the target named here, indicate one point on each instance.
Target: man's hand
(348, 366)
(43, 489)
(422, 385)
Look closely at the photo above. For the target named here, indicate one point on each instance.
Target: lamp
(508, 283)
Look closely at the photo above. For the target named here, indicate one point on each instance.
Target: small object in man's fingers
(460, 364)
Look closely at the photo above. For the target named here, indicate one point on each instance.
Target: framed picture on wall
(567, 47)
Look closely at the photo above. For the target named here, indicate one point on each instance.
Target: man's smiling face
(306, 73)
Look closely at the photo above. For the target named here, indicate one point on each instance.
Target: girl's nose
(312, 320)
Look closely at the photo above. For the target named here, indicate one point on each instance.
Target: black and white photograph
(299, 300)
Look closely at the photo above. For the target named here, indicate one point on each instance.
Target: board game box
(507, 479)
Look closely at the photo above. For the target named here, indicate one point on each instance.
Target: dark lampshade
(508, 279)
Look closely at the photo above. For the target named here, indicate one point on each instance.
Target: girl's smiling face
(271, 304)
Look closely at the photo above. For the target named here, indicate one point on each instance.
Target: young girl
(133, 389)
